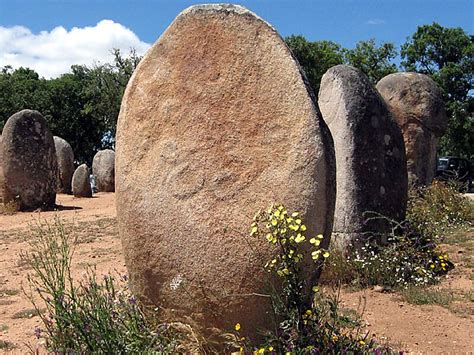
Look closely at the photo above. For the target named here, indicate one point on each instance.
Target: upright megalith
(81, 183)
(103, 168)
(65, 157)
(216, 123)
(417, 105)
(28, 161)
(370, 155)
(2, 179)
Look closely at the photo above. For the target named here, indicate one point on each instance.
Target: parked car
(456, 169)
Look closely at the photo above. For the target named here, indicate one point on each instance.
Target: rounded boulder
(65, 157)
(217, 122)
(417, 105)
(370, 156)
(103, 168)
(29, 161)
(81, 183)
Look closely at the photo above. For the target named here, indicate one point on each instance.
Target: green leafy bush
(437, 209)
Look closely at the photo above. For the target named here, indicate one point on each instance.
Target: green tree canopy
(447, 55)
(315, 57)
(373, 60)
(81, 107)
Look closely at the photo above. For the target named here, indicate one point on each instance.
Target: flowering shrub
(91, 316)
(399, 264)
(434, 210)
(412, 256)
(312, 324)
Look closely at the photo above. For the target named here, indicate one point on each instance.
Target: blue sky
(344, 22)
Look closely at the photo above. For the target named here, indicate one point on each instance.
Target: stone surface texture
(2, 179)
(81, 183)
(370, 155)
(28, 161)
(417, 105)
(65, 157)
(103, 168)
(216, 123)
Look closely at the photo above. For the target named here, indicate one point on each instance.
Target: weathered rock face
(417, 105)
(81, 183)
(216, 123)
(65, 157)
(28, 161)
(103, 168)
(2, 179)
(370, 155)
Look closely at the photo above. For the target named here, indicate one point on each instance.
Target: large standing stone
(417, 105)
(28, 161)
(370, 155)
(2, 179)
(65, 157)
(103, 168)
(81, 183)
(216, 123)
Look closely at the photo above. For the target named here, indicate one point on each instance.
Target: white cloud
(375, 21)
(52, 53)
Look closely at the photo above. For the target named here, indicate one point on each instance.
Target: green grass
(3, 328)
(26, 313)
(4, 292)
(6, 345)
(423, 295)
(460, 237)
(8, 208)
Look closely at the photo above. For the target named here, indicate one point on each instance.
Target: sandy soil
(426, 328)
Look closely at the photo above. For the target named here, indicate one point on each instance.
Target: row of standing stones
(218, 122)
(34, 165)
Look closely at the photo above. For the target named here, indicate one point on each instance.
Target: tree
(374, 61)
(447, 55)
(81, 107)
(315, 57)
(105, 88)
(20, 89)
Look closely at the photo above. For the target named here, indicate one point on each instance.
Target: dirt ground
(413, 328)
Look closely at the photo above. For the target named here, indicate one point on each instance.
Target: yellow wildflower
(315, 241)
(294, 214)
(326, 254)
(361, 342)
(254, 230)
(237, 327)
(274, 222)
(315, 289)
(300, 238)
(303, 227)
